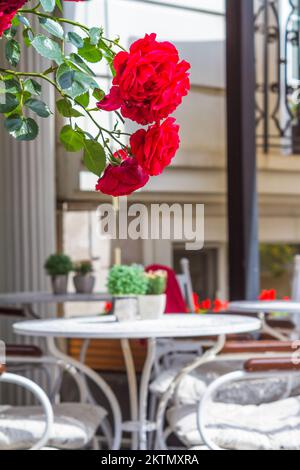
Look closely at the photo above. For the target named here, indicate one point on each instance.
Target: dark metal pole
(241, 150)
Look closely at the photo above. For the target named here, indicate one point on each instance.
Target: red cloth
(175, 300)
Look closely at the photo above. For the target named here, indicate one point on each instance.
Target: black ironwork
(277, 26)
(241, 152)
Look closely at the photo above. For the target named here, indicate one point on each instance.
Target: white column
(27, 201)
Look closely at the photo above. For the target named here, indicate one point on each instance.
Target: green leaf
(24, 21)
(83, 100)
(75, 39)
(80, 81)
(95, 35)
(71, 139)
(25, 131)
(8, 103)
(65, 108)
(10, 86)
(48, 48)
(109, 53)
(76, 60)
(48, 5)
(11, 32)
(98, 94)
(13, 123)
(52, 27)
(33, 87)
(15, 22)
(90, 52)
(59, 5)
(65, 78)
(38, 107)
(94, 157)
(13, 52)
(28, 37)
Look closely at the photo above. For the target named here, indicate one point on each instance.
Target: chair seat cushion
(272, 426)
(252, 392)
(74, 426)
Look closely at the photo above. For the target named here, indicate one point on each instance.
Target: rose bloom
(150, 81)
(8, 9)
(154, 148)
(124, 179)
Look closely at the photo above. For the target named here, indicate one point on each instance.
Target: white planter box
(152, 307)
(126, 309)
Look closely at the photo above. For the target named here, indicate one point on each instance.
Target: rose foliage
(149, 82)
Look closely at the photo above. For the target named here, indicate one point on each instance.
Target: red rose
(150, 81)
(155, 148)
(124, 179)
(7, 12)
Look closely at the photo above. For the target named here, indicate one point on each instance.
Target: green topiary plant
(58, 265)
(157, 282)
(83, 268)
(127, 280)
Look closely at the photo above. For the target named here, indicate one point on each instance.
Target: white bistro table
(263, 308)
(170, 326)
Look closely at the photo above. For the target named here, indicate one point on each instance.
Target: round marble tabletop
(170, 326)
(29, 298)
(258, 306)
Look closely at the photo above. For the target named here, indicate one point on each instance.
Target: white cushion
(189, 390)
(74, 427)
(272, 426)
(254, 392)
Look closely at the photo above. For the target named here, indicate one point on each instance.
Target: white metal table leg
(144, 390)
(101, 384)
(271, 331)
(132, 385)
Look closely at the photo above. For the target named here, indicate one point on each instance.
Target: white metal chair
(271, 426)
(87, 415)
(76, 423)
(180, 399)
(41, 397)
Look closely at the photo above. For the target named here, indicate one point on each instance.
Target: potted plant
(58, 267)
(84, 281)
(153, 304)
(126, 283)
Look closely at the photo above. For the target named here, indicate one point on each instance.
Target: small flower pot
(84, 284)
(59, 284)
(152, 307)
(126, 310)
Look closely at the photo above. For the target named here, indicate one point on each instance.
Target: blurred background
(47, 199)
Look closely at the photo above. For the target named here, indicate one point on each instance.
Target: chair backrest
(185, 281)
(174, 353)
